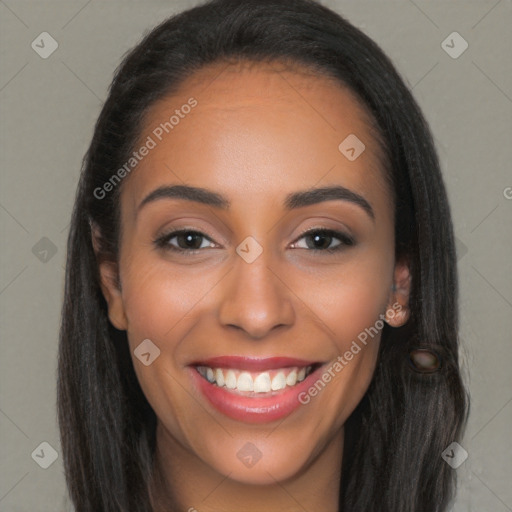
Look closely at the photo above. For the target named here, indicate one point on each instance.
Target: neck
(184, 483)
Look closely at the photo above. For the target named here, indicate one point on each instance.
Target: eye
(321, 239)
(186, 240)
(192, 241)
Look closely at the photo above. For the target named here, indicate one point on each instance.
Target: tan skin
(255, 136)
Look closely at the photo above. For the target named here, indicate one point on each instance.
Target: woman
(261, 295)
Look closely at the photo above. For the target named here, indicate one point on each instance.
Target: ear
(109, 282)
(398, 311)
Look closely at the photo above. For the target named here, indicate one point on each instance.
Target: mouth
(254, 390)
(248, 383)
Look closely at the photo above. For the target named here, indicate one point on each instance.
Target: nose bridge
(255, 300)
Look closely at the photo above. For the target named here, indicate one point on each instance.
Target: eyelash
(162, 242)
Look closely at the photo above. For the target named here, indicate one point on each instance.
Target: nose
(255, 299)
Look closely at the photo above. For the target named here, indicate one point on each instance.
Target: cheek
(160, 302)
(350, 298)
(353, 318)
(158, 296)
(351, 304)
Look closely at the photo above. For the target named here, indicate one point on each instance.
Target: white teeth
(219, 377)
(245, 382)
(230, 379)
(262, 383)
(291, 379)
(278, 382)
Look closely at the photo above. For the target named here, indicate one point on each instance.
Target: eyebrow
(292, 201)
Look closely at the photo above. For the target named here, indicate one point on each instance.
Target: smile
(238, 380)
(253, 390)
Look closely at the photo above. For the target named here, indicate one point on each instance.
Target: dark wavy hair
(394, 439)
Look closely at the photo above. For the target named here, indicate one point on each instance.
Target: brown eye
(323, 240)
(186, 240)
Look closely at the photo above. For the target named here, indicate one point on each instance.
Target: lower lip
(254, 410)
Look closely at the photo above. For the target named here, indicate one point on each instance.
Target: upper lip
(254, 364)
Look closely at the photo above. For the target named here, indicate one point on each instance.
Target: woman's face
(253, 295)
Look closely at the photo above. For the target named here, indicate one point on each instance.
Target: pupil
(327, 238)
(190, 238)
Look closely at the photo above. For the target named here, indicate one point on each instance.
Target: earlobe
(113, 296)
(109, 282)
(398, 311)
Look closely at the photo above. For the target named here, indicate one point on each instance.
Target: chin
(258, 463)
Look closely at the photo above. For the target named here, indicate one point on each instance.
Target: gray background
(48, 109)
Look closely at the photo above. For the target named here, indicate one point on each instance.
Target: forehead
(257, 128)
